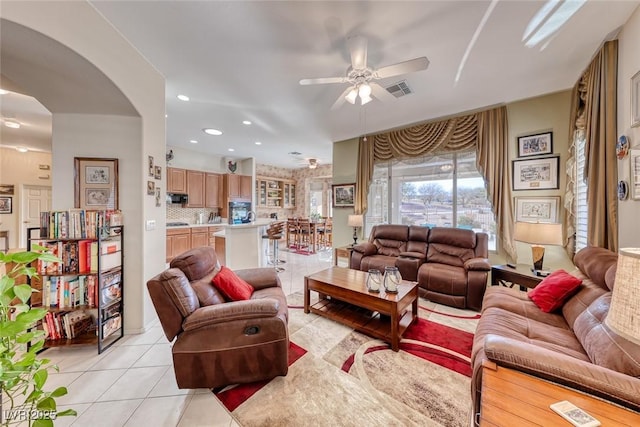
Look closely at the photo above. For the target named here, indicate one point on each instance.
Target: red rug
(232, 397)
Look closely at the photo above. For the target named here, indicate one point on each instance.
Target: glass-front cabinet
(289, 195)
(275, 193)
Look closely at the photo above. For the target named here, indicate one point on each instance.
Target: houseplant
(23, 373)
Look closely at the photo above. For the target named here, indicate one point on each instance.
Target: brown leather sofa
(572, 347)
(450, 265)
(218, 343)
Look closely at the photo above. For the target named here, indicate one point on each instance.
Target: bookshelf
(83, 293)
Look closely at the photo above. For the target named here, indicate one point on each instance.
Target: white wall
(17, 169)
(628, 65)
(345, 159)
(81, 28)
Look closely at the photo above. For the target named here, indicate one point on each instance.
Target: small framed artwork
(635, 174)
(6, 190)
(152, 170)
(343, 195)
(158, 199)
(151, 188)
(635, 100)
(158, 172)
(5, 205)
(537, 209)
(96, 183)
(536, 174)
(535, 145)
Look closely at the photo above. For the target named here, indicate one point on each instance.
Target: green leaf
(31, 316)
(67, 413)
(23, 292)
(12, 328)
(60, 391)
(25, 257)
(47, 403)
(43, 423)
(48, 257)
(40, 377)
(6, 282)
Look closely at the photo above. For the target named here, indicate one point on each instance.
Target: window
(581, 211)
(443, 190)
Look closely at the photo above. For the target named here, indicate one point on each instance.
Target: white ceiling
(241, 60)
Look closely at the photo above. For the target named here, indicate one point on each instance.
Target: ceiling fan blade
(410, 66)
(341, 99)
(323, 80)
(358, 49)
(381, 93)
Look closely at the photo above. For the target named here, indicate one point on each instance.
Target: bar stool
(274, 234)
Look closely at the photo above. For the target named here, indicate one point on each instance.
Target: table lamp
(538, 234)
(355, 221)
(624, 313)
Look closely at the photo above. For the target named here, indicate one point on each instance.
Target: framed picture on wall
(535, 145)
(536, 174)
(5, 205)
(537, 209)
(635, 100)
(634, 155)
(343, 195)
(96, 183)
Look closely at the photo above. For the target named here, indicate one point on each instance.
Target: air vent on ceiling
(399, 89)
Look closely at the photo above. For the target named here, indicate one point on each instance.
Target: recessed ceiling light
(22, 149)
(258, 143)
(246, 122)
(12, 124)
(212, 131)
(193, 141)
(183, 97)
(231, 149)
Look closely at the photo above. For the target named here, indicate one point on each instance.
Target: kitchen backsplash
(188, 215)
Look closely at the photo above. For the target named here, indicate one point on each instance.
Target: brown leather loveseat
(450, 265)
(572, 347)
(218, 343)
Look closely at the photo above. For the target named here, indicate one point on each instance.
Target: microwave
(177, 199)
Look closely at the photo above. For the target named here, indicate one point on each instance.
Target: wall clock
(623, 190)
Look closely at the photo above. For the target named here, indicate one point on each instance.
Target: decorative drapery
(595, 114)
(485, 131)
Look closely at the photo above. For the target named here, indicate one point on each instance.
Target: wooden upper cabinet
(212, 191)
(245, 187)
(238, 187)
(176, 180)
(233, 191)
(195, 189)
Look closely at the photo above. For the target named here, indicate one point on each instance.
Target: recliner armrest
(563, 369)
(366, 248)
(259, 278)
(481, 264)
(237, 310)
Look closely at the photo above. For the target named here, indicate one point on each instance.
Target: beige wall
(20, 169)
(345, 159)
(628, 65)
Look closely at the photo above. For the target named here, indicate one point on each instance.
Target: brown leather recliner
(219, 343)
(456, 269)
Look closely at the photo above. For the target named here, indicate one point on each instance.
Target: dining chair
(305, 235)
(292, 233)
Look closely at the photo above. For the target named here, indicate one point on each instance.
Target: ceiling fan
(360, 76)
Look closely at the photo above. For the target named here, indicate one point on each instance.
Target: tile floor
(133, 384)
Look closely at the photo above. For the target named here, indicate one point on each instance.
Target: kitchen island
(238, 246)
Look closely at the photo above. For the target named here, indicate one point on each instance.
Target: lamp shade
(624, 313)
(355, 221)
(538, 233)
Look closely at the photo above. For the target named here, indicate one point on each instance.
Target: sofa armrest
(260, 278)
(237, 310)
(562, 369)
(366, 248)
(415, 255)
(478, 264)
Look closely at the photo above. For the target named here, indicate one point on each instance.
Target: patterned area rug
(339, 377)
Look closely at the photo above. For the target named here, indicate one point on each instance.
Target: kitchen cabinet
(289, 195)
(212, 235)
(275, 193)
(199, 237)
(178, 241)
(245, 187)
(234, 188)
(176, 180)
(195, 189)
(212, 191)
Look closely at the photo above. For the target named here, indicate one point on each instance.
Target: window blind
(581, 197)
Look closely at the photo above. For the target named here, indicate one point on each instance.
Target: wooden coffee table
(344, 298)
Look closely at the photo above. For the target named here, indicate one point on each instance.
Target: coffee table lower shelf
(361, 319)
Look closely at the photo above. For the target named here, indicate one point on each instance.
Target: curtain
(601, 163)
(492, 160)
(486, 132)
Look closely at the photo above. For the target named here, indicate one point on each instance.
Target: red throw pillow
(232, 286)
(554, 290)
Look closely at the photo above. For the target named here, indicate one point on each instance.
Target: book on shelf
(67, 324)
(78, 223)
(110, 261)
(111, 325)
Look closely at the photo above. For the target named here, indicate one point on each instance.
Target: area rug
(339, 377)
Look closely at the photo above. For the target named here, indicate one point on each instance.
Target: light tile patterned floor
(133, 384)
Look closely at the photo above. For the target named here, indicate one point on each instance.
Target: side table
(343, 252)
(520, 276)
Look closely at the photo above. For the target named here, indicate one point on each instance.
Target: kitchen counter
(257, 223)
